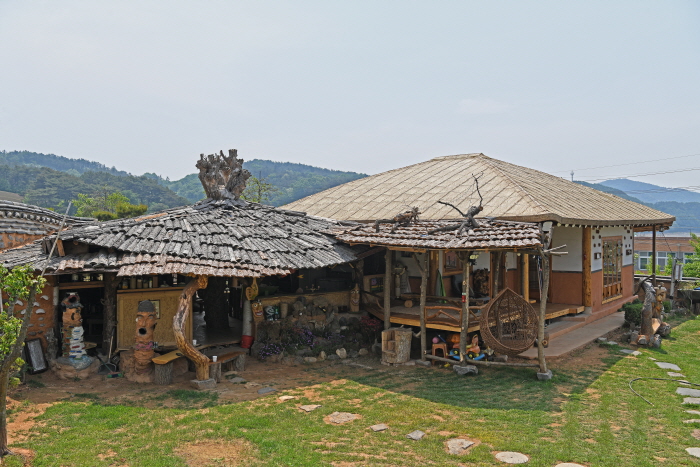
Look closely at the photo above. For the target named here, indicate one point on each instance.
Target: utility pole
(572, 175)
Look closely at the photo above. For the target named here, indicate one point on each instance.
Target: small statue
(146, 320)
(355, 299)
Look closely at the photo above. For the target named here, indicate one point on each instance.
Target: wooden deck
(449, 319)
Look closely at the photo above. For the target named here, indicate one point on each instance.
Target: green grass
(588, 416)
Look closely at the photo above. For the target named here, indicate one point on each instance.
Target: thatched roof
(226, 237)
(492, 234)
(509, 191)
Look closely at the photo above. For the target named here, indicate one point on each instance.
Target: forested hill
(291, 181)
(51, 181)
(52, 161)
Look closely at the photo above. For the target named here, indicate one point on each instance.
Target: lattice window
(612, 267)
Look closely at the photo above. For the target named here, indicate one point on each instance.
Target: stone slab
(415, 435)
(458, 446)
(693, 412)
(688, 392)
(693, 451)
(380, 427)
(673, 374)
(237, 380)
(546, 376)
(466, 369)
(309, 408)
(668, 366)
(341, 417)
(631, 352)
(266, 390)
(691, 401)
(511, 457)
(203, 383)
(692, 420)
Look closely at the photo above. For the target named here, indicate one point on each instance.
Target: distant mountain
(52, 161)
(612, 191)
(650, 193)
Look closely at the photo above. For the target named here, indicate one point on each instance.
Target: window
(612, 267)
(643, 260)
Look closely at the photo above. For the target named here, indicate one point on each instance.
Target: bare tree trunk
(200, 360)
(543, 313)
(649, 299)
(109, 303)
(388, 265)
(4, 381)
(423, 294)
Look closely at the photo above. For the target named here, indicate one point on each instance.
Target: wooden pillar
(496, 273)
(586, 267)
(388, 264)
(543, 302)
(653, 254)
(464, 256)
(423, 295)
(109, 313)
(526, 277)
(185, 346)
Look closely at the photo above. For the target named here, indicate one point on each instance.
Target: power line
(644, 174)
(628, 163)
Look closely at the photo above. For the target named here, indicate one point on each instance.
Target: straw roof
(227, 237)
(509, 191)
(492, 234)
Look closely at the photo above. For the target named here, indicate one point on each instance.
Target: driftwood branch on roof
(222, 177)
(469, 220)
(402, 219)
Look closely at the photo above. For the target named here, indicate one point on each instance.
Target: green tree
(106, 205)
(20, 283)
(258, 190)
(692, 267)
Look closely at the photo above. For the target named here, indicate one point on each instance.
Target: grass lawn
(585, 414)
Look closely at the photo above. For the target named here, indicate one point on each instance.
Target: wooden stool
(440, 346)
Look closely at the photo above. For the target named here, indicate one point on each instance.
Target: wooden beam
(543, 302)
(586, 266)
(526, 276)
(59, 247)
(388, 264)
(423, 293)
(464, 256)
(653, 253)
(481, 362)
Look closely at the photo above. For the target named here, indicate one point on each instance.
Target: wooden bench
(164, 366)
(237, 356)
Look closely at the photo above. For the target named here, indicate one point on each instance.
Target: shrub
(633, 312)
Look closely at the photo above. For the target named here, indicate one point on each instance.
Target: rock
(634, 336)
(237, 380)
(569, 464)
(409, 363)
(600, 340)
(510, 457)
(341, 417)
(353, 354)
(546, 376)
(466, 369)
(693, 420)
(693, 412)
(239, 362)
(668, 366)
(321, 356)
(332, 357)
(693, 451)
(458, 446)
(631, 352)
(652, 359)
(691, 401)
(203, 383)
(688, 392)
(376, 348)
(343, 321)
(341, 353)
(286, 398)
(609, 343)
(299, 359)
(656, 341)
(309, 408)
(266, 390)
(643, 340)
(675, 375)
(362, 352)
(423, 362)
(500, 358)
(415, 435)
(310, 359)
(380, 427)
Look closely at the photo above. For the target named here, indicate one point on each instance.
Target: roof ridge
(523, 190)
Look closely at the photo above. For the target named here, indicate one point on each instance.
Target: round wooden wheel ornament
(509, 324)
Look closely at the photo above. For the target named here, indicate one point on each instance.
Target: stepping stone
(675, 375)
(606, 343)
(466, 369)
(631, 352)
(458, 446)
(266, 390)
(309, 408)
(693, 412)
(286, 398)
(600, 340)
(380, 427)
(341, 417)
(569, 464)
(688, 392)
(415, 435)
(237, 380)
(510, 457)
(668, 366)
(652, 359)
(691, 400)
(693, 451)
(694, 420)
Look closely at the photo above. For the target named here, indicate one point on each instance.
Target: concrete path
(570, 341)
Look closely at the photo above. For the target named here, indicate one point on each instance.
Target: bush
(633, 312)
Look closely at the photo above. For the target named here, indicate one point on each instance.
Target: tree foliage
(105, 205)
(258, 190)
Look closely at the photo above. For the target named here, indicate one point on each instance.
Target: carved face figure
(146, 320)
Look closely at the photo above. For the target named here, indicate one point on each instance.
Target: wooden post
(109, 314)
(653, 253)
(200, 360)
(526, 277)
(388, 264)
(543, 301)
(586, 266)
(464, 256)
(423, 294)
(497, 273)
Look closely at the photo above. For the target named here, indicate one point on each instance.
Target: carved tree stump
(215, 372)
(164, 373)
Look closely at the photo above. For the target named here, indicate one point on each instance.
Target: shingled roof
(227, 237)
(510, 192)
(492, 234)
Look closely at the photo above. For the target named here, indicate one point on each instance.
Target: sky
(365, 86)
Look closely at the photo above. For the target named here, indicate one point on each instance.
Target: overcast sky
(357, 85)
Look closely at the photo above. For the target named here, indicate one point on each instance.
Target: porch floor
(411, 316)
